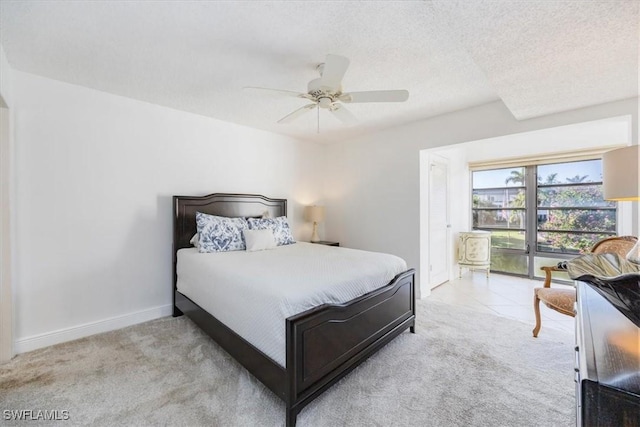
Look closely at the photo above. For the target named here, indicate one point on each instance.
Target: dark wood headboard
(220, 204)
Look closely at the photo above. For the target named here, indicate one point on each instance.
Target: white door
(439, 227)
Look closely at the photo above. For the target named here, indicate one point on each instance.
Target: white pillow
(194, 241)
(279, 226)
(259, 240)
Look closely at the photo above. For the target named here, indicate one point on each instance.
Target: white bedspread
(254, 292)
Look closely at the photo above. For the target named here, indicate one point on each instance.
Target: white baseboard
(35, 342)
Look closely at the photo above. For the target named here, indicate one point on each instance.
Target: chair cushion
(561, 300)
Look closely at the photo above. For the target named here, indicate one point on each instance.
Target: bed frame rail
(259, 364)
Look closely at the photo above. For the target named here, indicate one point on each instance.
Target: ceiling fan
(326, 92)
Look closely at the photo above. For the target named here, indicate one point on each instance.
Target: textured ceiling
(539, 57)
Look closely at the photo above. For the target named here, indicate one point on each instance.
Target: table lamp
(620, 182)
(314, 214)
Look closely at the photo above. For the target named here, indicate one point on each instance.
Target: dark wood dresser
(608, 352)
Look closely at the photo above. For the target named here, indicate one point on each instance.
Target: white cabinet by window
(474, 250)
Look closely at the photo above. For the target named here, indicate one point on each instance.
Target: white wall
(5, 79)
(372, 189)
(6, 210)
(95, 175)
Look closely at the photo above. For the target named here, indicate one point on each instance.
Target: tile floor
(503, 295)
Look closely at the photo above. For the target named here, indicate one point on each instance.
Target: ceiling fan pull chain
(318, 108)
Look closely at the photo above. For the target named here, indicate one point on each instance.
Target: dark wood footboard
(326, 343)
(323, 344)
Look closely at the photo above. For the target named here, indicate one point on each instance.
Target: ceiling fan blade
(334, 68)
(342, 114)
(267, 90)
(297, 113)
(376, 96)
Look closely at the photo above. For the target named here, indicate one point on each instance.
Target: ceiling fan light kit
(326, 92)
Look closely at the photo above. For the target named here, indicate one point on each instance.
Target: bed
(323, 343)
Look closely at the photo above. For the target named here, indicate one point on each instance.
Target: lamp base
(314, 236)
(634, 254)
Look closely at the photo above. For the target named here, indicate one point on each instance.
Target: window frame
(532, 225)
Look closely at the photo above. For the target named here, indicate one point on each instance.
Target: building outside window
(541, 214)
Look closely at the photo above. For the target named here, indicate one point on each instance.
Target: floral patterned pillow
(279, 226)
(220, 234)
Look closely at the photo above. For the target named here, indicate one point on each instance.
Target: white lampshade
(621, 182)
(620, 179)
(314, 213)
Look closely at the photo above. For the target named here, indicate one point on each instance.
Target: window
(499, 206)
(572, 215)
(540, 215)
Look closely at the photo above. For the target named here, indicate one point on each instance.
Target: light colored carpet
(461, 368)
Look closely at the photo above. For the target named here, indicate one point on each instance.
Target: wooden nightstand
(327, 243)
